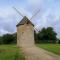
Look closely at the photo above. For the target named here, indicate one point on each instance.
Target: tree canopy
(46, 35)
(8, 39)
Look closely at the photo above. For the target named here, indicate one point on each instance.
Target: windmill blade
(35, 14)
(18, 11)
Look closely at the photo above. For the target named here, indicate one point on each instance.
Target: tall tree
(47, 35)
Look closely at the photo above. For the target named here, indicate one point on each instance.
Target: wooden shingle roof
(23, 21)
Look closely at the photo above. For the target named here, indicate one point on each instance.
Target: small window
(28, 22)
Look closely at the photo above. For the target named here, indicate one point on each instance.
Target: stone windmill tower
(25, 31)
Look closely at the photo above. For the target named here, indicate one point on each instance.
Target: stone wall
(25, 35)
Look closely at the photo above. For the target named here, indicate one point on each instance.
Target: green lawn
(55, 48)
(10, 52)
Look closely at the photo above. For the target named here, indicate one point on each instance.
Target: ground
(10, 52)
(35, 53)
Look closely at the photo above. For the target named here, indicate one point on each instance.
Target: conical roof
(23, 21)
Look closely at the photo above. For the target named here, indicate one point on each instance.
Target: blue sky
(49, 14)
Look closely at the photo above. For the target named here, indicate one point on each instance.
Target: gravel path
(35, 53)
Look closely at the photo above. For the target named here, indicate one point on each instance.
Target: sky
(49, 15)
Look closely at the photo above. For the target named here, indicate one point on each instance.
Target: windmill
(25, 30)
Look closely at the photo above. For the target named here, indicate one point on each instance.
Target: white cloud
(34, 2)
(25, 12)
(9, 19)
(2, 31)
(6, 12)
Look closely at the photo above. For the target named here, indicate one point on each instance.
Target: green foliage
(36, 37)
(8, 39)
(51, 33)
(46, 35)
(14, 38)
(59, 41)
(1, 40)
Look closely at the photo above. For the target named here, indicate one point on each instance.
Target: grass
(55, 48)
(10, 52)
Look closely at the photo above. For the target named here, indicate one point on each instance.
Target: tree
(59, 42)
(15, 38)
(1, 41)
(36, 37)
(47, 35)
(51, 34)
(7, 38)
(42, 36)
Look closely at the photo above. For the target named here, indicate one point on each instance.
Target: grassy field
(55, 48)
(10, 52)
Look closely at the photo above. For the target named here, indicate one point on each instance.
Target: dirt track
(35, 53)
